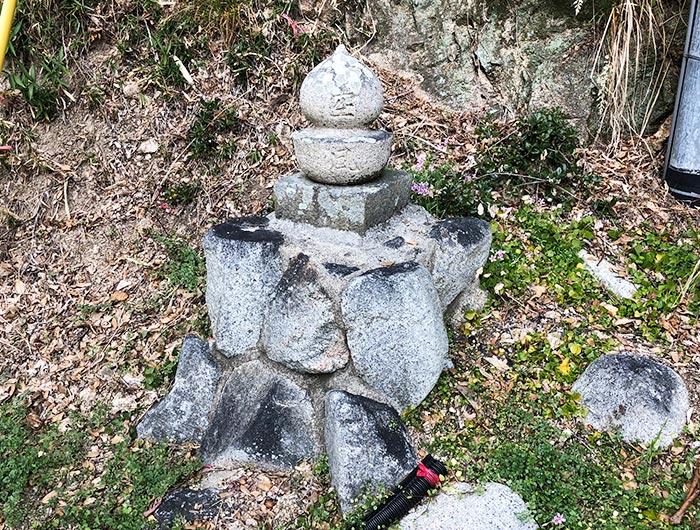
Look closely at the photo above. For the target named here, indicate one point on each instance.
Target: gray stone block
(302, 330)
(395, 331)
(463, 248)
(489, 506)
(367, 444)
(646, 400)
(261, 417)
(354, 208)
(243, 268)
(183, 414)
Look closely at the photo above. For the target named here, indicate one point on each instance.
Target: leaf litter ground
(95, 299)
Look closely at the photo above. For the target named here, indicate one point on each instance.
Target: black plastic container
(409, 492)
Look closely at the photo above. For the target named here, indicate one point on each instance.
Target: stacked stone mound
(328, 315)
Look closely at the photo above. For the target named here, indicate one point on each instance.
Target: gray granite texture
(644, 399)
(604, 271)
(463, 247)
(243, 268)
(302, 329)
(489, 506)
(395, 331)
(261, 416)
(341, 156)
(367, 444)
(341, 92)
(354, 208)
(182, 415)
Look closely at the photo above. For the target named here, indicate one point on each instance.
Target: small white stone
(149, 146)
(131, 90)
(602, 270)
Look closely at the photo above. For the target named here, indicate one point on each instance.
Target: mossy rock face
(517, 55)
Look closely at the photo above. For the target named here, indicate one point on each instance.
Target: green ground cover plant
(184, 266)
(52, 474)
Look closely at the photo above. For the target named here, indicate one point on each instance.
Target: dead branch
(693, 492)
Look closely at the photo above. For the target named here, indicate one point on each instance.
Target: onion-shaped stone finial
(341, 92)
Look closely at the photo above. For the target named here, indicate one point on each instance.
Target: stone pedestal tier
(318, 300)
(353, 208)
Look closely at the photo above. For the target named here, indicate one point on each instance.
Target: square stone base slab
(354, 208)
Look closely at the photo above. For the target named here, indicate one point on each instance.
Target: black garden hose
(410, 491)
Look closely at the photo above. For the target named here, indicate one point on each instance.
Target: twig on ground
(431, 144)
(693, 492)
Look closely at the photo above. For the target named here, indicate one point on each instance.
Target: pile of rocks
(328, 315)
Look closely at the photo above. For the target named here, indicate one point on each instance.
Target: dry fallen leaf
(119, 296)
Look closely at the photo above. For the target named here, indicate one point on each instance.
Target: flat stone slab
(183, 414)
(646, 400)
(490, 506)
(261, 417)
(356, 208)
(368, 446)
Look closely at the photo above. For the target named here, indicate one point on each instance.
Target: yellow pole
(6, 15)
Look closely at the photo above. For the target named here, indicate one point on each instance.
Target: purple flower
(498, 256)
(419, 163)
(422, 188)
(558, 519)
(468, 177)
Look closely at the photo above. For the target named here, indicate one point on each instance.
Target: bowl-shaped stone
(342, 156)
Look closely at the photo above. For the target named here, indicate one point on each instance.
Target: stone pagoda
(328, 314)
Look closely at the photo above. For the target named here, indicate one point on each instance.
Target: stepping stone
(368, 446)
(188, 504)
(183, 414)
(490, 506)
(646, 400)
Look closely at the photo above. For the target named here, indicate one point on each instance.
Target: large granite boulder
(463, 248)
(263, 417)
(646, 400)
(367, 444)
(302, 330)
(183, 414)
(519, 55)
(243, 268)
(395, 331)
